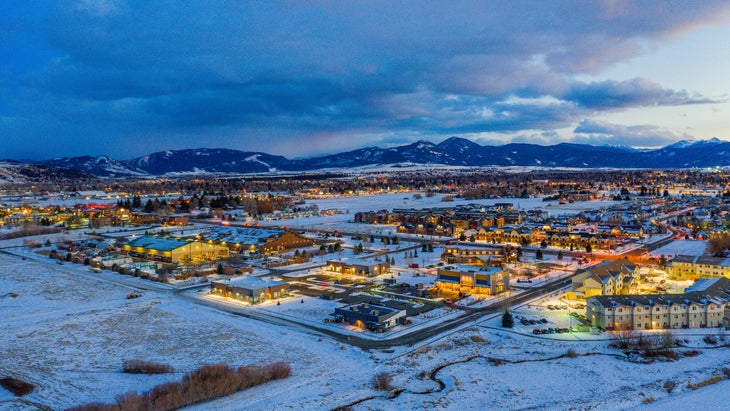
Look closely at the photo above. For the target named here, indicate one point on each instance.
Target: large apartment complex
(689, 267)
(609, 278)
(702, 305)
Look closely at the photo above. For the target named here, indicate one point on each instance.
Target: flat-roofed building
(472, 280)
(363, 268)
(252, 290)
(373, 317)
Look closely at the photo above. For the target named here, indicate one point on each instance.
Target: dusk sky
(127, 78)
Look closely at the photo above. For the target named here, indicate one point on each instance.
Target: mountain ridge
(454, 151)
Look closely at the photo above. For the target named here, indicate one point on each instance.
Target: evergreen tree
(507, 320)
(560, 256)
(538, 254)
(588, 248)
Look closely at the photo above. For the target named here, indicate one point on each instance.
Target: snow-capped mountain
(453, 151)
(215, 160)
(100, 166)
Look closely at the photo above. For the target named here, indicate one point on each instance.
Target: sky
(128, 78)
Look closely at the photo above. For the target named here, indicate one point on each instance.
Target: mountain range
(454, 151)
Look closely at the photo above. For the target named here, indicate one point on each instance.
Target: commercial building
(472, 280)
(363, 268)
(172, 250)
(252, 290)
(370, 316)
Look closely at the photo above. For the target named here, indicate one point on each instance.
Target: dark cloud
(232, 73)
(604, 133)
(633, 93)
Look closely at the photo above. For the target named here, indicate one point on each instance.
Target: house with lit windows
(702, 305)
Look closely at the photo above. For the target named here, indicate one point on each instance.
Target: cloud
(103, 70)
(603, 133)
(632, 93)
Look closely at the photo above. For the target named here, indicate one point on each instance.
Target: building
(688, 267)
(287, 241)
(364, 268)
(172, 250)
(253, 239)
(252, 290)
(608, 278)
(478, 257)
(702, 305)
(373, 317)
(485, 280)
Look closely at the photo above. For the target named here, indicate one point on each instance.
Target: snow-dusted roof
(157, 243)
(250, 283)
(242, 235)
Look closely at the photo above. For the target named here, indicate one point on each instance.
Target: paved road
(420, 334)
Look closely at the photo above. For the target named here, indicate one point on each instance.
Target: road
(419, 334)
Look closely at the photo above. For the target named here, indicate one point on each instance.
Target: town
(372, 263)
(351, 206)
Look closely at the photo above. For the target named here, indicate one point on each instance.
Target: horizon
(305, 80)
(28, 160)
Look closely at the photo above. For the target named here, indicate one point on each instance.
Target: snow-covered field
(67, 332)
(685, 247)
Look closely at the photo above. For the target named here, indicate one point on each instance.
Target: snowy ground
(685, 247)
(67, 331)
(350, 205)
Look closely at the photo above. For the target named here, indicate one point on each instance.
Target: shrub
(204, 384)
(712, 380)
(669, 386)
(18, 387)
(477, 338)
(146, 367)
(571, 353)
(382, 381)
(710, 339)
(648, 400)
(624, 339)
